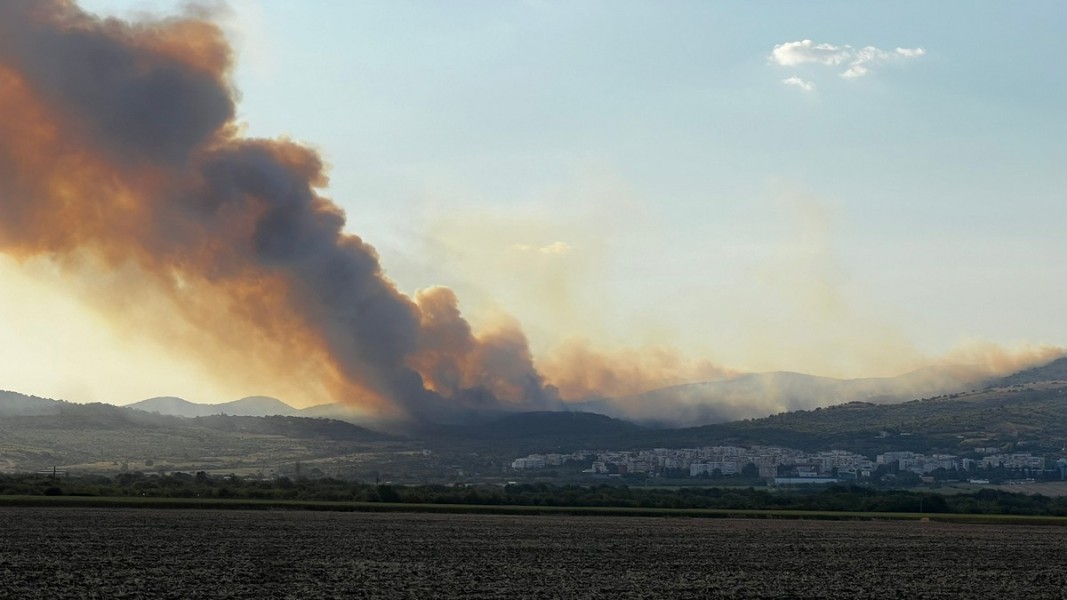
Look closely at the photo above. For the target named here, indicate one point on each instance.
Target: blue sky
(641, 173)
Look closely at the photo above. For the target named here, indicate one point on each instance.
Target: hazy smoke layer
(120, 161)
(581, 371)
(118, 146)
(757, 395)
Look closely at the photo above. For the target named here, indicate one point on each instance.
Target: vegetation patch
(136, 490)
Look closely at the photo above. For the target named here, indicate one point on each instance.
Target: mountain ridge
(17, 404)
(754, 395)
(1018, 413)
(249, 406)
(1052, 371)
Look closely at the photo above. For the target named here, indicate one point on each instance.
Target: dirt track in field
(137, 553)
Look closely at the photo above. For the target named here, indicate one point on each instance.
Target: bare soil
(60, 553)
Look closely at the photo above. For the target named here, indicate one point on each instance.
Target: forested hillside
(1029, 417)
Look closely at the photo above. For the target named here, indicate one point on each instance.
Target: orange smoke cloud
(978, 359)
(759, 394)
(118, 150)
(579, 370)
(119, 154)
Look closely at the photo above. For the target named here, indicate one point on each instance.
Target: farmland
(61, 552)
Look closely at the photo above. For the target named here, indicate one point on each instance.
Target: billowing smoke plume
(118, 147)
(121, 162)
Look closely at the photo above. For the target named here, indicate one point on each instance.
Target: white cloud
(803, 84)
(858, 61)
(806, 51)
(910, 52)
(558, 248)
(855, 71)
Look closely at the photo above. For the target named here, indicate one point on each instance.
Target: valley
(1022, 414)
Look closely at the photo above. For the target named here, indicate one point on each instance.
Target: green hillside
(102, 437)
(1053, 371)
(1026, 412)
(292, 427)
(1029, 418)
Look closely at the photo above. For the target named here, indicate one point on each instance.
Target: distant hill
(519, 433)
(169, 405)
(758, 394)
(1030, 419)
(103, 437)
(544, 424)
(14, 404)
(1025, 412)
(99, 416)
(333, 410)
(252, 406)
(1053, 371)
(292, 427)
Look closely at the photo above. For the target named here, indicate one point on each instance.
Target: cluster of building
(766, 461)
(782, 465)
(927, 463)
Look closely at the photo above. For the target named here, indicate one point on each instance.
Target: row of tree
(834, 498)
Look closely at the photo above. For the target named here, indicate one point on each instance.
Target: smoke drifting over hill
(123, 166)
(125, 156)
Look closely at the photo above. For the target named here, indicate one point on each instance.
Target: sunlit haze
(653, 193)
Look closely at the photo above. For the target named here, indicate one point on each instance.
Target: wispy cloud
(806, 51)
(910, 52)
(557, 248)
(803, 84)
(857, 61)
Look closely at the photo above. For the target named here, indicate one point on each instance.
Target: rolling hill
(40, 433)
(1024, 412)
(759, 394)
(292, 427)
(1030, 418)
(251, 406)
(517, 433)
(14, 404)
(1053, 371)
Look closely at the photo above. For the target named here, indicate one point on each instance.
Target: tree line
(850, 498)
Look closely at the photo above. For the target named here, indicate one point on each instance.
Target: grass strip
(499, 509)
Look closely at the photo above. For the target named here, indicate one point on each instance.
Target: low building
(804, 480)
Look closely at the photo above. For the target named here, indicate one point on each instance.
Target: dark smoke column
(117, 139)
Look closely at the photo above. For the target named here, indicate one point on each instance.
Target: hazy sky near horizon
(846, 189)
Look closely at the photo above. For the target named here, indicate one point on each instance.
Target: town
(787, 466)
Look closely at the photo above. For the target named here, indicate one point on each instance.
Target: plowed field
(59, 553)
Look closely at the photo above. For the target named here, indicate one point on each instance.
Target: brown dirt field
(61, 553)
